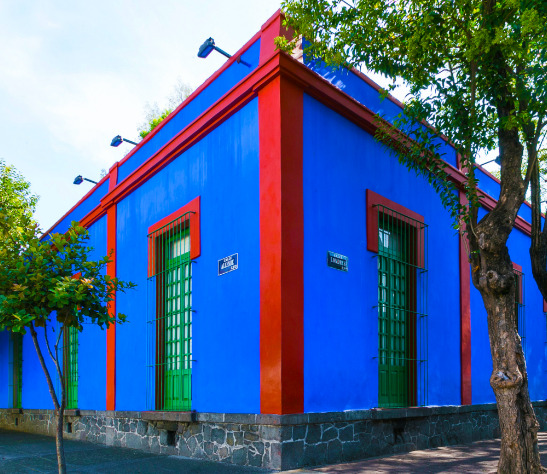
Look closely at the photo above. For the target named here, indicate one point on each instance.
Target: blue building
(301, 298)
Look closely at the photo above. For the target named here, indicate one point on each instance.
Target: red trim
(235, 57)
(375, 199)
(92, 217)
(193, 206)
(465, 317)
(111, 331)
(520, 293)
(113, 173)
(544, 306)
(271, 30)
(241, 94)
(86, 195)
(280, 115)
(224, 108)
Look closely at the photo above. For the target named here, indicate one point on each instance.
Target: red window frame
(195, 232)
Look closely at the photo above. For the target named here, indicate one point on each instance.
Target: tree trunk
(494, 277)
(59, 408)
(59, 441)
(519, 450)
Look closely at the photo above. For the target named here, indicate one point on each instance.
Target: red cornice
(247, 89)
(192, 96)
(86, 195)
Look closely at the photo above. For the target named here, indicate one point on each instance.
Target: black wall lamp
(80, 179)
(117, 141)
(209, 45)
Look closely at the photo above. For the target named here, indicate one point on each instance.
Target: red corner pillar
(280, 109)
(111, 271)
(465, 315)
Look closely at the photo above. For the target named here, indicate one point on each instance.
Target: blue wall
(4, 370)
(492, 188)
(92, 340)
(83, 209)
(91, 354)
(536, 330)
(199, 104)
(353, 85)
(340, 316)
(35, 391)
(223, 169)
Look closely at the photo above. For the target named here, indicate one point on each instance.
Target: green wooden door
(70, 367)
(393, 344)
(177, 324)
(17, 369)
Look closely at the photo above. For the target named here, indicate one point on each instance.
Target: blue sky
(75, 74)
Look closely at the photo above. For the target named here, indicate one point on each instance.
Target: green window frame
(16, 370)
(402, 309)
(170, 327)
(70, 367)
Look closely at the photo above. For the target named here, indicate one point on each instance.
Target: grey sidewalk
(481, 456)
(25, 453)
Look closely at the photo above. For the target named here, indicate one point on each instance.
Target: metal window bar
(70, 366)
(520, 308)
(169, 317)
(402, 310)
(15, 380)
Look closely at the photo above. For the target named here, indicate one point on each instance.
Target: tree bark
(59, 408)
(494, 277)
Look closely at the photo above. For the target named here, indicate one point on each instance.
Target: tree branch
(44, 367)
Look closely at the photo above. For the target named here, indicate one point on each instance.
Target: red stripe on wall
(465, 316)
(111, 271)
(280, 109)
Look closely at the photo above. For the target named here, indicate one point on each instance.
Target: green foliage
(472, 68)
(153, 123)
(156, 114)
(54, 277)
(17, 204)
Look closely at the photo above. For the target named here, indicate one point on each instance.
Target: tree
(476, 70)
(17, 203)
(42, 281)
(154, 114)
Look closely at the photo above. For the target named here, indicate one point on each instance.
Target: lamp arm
(90, 180)
(129, 141)
(221, 51)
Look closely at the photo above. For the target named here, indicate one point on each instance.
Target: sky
(75, 74)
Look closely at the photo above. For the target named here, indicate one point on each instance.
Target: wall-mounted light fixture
(497, 160)
(117, 141)
(80, 179)
(209, 45)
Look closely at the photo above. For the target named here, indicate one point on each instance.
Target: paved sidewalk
(481, 456)
(26, 453)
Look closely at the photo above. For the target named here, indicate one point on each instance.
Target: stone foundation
(274, 441)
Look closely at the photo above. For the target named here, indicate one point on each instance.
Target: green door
(17, 369)
(177, 324)
(70, 367)
(392, 318)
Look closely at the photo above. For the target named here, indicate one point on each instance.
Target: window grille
(520, 308)
(16, 369)
(169, 317)
(402, 309)
(70, 366)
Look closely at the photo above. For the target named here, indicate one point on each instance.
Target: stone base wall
(274, 441)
